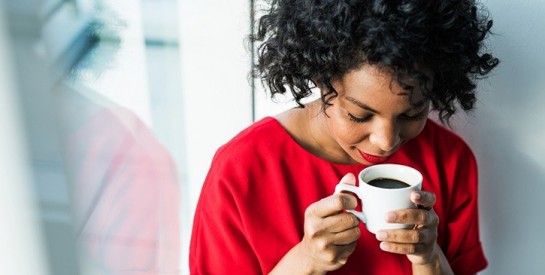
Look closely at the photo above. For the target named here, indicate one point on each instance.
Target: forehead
(375, 84)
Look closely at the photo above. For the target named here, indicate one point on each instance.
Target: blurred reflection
(125, 187)
(122, 194)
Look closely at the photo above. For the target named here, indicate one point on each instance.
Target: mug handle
(354, 189)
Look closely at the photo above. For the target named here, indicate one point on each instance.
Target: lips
(372, 158)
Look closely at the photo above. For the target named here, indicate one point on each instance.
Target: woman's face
(372, 116)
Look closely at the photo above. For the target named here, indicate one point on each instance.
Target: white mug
(377, 201)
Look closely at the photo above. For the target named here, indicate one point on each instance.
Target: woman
(267, 204)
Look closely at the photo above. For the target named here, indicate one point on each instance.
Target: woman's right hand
(330, 233)
(330, 236)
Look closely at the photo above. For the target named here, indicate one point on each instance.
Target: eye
(359, 119)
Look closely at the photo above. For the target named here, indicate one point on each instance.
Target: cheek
(345, 131)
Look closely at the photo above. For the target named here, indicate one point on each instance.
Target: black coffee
(388, 183)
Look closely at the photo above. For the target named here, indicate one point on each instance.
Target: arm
(218, 241)
(460, 244)
(291, 263)
(438, 264)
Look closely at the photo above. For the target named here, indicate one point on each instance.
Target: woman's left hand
(419, 242)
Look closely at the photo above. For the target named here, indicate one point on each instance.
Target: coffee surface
(388, 183)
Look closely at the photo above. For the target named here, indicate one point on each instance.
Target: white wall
(215, 88)
(507, 132)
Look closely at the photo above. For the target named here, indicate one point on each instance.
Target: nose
(385, 136)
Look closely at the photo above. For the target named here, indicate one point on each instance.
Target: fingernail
(381, 236)
(417, 196)
(348, 178)
(384, 246)
(390, 217)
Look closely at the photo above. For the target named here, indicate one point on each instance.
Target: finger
(344, 251)
(406, 236)
(346, 237)
(413, 216)
(352, 199)
(400, 248)
(424, 200)
(348, 179)
(337, 255)
(339, 222)
(331, 205)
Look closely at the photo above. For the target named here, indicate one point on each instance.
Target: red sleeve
(219, 246)
(463, 247)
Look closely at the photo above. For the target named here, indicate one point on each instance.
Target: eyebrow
(366, 107)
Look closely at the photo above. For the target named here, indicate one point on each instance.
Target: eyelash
(358, 119)
(416, 117)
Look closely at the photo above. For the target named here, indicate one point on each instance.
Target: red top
(251, 208)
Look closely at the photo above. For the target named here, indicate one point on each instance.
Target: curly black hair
(309, 43)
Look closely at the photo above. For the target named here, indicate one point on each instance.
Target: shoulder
(449, 155)
(253, 154)
(259, 134)
(439, 149)
(444, 140)
(258, 143)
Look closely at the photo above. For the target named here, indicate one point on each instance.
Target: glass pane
(124, 104)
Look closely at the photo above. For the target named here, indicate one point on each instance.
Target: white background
(507, 133)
